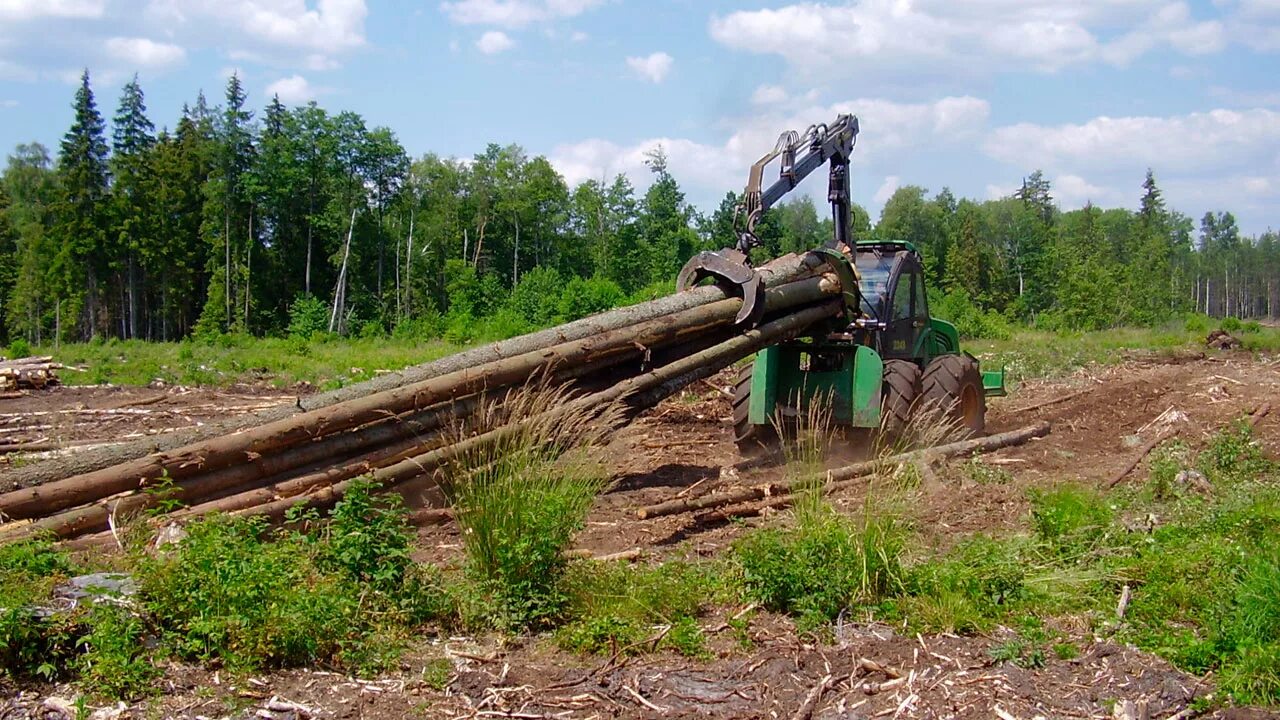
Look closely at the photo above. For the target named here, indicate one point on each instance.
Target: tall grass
(522, 497)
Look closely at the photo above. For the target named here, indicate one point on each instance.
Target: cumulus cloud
(513, 14)
(494, 42)
(140, 52)
(654, 67)
(292, 90)
(1204, 161)
(707, 169)
(983, 35)
(886, 189)
(769, 95)
(19, 10)
(1215, 139)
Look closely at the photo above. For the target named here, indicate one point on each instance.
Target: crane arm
(802, 154)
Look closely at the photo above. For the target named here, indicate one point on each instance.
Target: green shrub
(587, 296)
(1230, 324)
(959, 309)
(822, 566)
(19, 348)
(1232, 455)
(33, 645)
(368, 537)
(536, 298)
(229, 592)
(308, 315)
(1252, 327)
(1197, 323)
(115, 662)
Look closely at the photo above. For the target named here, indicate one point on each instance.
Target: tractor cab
(894, 304)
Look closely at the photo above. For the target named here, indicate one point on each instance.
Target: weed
(613, 607)
(437, 673)
(227, 593)
(368, 538)
(114, 663)
(981, 473)
(686, 637)
(1166, 462)
(1066, 651)
(521, 497)
(823, 565)
(1071, 520)
(1232, 455)
(33, 643)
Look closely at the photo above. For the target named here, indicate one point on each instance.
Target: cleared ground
(685, 447)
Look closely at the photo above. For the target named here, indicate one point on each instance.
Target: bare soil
(685, 447)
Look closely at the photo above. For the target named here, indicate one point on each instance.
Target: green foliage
(308, 316)
(823, 566)
(31, 645)
(115, 662)
(229, 593)
(19, 348)
(957, 308)
(1230, 324)
(614, 607)
(368, 536)
(1071, 520)
(521, 499)
(1233, 455)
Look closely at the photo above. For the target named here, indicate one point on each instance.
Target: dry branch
(837, 476)
(1142, 453)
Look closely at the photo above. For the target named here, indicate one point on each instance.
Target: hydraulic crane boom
(821, 143)
(801, 154)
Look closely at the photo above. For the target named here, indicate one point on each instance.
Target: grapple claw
(731, 271)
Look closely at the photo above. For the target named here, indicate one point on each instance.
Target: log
(1258, 414)
(848, 472)
(222, 451)
(777, 272)
(1142, 453)
(645, 388)
(642, 391)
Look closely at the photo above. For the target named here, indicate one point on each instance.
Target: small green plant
(1232, 455)
(983, 474)
(19, 348)
(308, 316)
(1230, 324)
(522, 497)
(686, 637)
(1166, 462)
(1070, 520)
(824, 565)
(615, 607)
(115, 662)
(1066, 650)
(437, 673)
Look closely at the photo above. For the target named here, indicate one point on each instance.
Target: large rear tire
(752, 439)
(952, 388)
(898, 395)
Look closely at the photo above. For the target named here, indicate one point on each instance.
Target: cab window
(902, 297)
(922, 303)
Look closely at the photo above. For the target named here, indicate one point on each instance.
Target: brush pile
(402, 427)
(29, 373)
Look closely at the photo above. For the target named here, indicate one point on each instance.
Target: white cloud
(9, 104)
(1198, 141)
(293, 90)
(893, 132)
(283, 31)
(494, 42)
(654, 67)
(887, 189)
(579, 36)
(769, 95)
(18, 10)
(140, 52)
(1072, 191)
(513, 14)
(946, 36)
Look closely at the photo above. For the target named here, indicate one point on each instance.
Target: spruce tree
(82, 259)
(133, 242)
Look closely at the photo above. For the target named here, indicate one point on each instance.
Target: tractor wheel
(897, 396)
(751, 439)
(952, 388)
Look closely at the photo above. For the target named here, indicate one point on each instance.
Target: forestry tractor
(885, 358)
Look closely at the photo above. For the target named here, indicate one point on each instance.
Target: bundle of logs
(29, 373)
(402, 427)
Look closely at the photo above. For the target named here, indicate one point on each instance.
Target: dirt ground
(1100, 416)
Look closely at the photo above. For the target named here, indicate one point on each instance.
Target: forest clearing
(1058, 650)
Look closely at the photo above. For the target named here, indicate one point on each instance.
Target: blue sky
(971, 95)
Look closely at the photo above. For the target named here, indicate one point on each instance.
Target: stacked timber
(404, 426)
(29, 373)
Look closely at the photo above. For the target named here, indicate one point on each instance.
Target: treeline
(298, 220)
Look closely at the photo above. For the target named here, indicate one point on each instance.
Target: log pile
(400, 427)
(29, 373)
